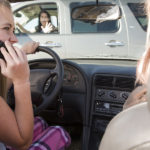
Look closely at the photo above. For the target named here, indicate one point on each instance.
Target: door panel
(106, 39)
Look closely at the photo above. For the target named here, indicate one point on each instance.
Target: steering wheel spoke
(54, 71)
(50, 92)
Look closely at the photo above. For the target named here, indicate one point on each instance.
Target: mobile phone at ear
(2, 45)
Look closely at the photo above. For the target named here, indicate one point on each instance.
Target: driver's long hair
(3, 86)
(3, 81)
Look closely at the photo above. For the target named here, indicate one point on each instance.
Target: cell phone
(2, 45)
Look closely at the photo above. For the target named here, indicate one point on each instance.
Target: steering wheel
(38, 86)
(38, 80)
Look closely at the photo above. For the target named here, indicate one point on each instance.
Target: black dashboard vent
(125, 82)
(106, 81)
(115, 81)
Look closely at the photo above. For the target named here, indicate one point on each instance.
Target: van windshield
(86, 29)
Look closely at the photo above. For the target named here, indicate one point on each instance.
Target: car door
(136, 26)
(26, 14)
(96, 40)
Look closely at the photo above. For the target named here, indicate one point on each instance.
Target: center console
(108, 96)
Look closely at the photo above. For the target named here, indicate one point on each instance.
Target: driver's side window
(37, 18)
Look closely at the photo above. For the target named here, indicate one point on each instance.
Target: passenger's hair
(147, 7)
(143, 67)
(39, 29)
(3, 85)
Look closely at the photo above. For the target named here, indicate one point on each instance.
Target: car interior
(83, 97)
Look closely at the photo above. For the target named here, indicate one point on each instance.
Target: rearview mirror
(96, 13)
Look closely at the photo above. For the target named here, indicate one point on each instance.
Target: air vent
(125, 82)
(115, 81)
(104, 81)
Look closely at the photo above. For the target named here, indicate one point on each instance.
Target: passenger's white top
(128, 130)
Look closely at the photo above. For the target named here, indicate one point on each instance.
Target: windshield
(85, 29)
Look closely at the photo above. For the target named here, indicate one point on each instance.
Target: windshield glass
(85, 29)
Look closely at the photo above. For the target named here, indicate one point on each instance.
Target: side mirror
(96, 13)
(17, 14)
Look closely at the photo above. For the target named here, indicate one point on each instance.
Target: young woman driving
(19, 129)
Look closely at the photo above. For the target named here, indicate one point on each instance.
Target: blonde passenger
(142, 70)
(130, 129)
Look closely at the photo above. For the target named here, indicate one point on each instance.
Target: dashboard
(73, 79)
(92, 95)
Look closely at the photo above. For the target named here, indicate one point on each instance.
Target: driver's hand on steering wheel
(30, 47)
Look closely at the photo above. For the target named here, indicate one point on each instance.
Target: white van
(121, 35)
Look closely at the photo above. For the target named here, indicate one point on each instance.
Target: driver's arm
(16, 126)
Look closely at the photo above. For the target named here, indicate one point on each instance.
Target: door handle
(51, 44)
(114, 43)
